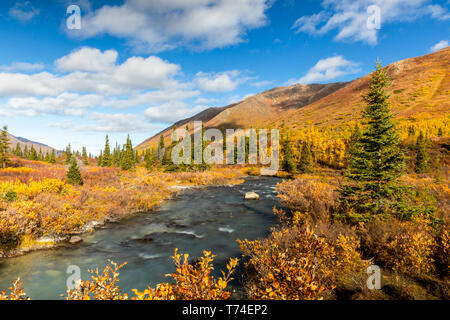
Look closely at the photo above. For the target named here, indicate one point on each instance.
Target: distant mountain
(255, 110)
(420, 88)
(25, 142)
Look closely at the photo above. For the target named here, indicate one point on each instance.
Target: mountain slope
(255, 110)
(25, 142)
(420, 88)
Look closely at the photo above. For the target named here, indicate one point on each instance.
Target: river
(198, 219)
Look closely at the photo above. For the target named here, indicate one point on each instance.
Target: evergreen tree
(73, 174)
(68, 154)
(33, 154)
(288, 164)
(53, 157)
(26, 152)
(150, 159)
(100, 159)
(40, 155)
(18, 151)
(85, 157)
(306, 161)
(4, 147)
(376, 161)
(422, 164)
(107, 159)
(127, 159)
(163, 152)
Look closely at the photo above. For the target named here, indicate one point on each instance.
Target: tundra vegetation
(366, 192)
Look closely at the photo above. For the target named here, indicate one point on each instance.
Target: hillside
(258, 109)
(420, 89)
(25, 142)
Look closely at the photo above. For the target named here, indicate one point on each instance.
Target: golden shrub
(15, 292)
(309, 196)
(295, 263)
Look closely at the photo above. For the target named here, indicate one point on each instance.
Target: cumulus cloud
(163, 25)
(349, 17)
(440, 45)
(23, 12)
(172, 111)
(88, 59)
(328, 69)
(219, 82)
(22, 66)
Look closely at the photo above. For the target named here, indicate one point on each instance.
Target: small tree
(4, 147)
(306, 161)
(288, 164)
(53, 157)
(107, 159)
(85, 157)
(422, 164)
(127, 158)
(68, 154)
(73, 174)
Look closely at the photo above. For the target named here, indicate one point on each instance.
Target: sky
(137, 66)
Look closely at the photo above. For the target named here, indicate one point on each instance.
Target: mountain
(25, 142)
(255, 110)
(420, 89)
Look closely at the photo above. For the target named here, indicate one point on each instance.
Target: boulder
(75, 240)
(251, 196)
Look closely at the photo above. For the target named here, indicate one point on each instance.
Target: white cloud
(171, 112)
(328, 69)
(349, 17)
(440, 45)
(23, 12)
(218, 82)
(164, 24)
(88, 59)
(22, 66)
(89, 79)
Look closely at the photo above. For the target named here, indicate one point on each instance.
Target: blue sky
(136, 66)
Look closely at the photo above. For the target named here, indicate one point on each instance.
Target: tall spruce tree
(33, 153)
(106, 159)
(422, 164)
(288, 163)
(306, 161)
(53, 157)
(68, 154)
(376, 161)
(73, 174)
(85, 157)
(127, 159)
(4, 147)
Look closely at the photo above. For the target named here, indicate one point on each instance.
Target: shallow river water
(198, 219)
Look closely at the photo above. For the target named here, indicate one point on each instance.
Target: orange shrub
(309, 196)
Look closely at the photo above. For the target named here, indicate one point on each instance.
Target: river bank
(44, 212)
(209, 218)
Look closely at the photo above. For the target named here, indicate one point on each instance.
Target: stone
(75, 240)
(251, 196)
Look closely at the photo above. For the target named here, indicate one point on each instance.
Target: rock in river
(75, 240)
(251, 196)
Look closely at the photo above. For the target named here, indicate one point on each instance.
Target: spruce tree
(85, 157)
(33, 154)
(376, 161)
(100, 159)
(288, 164)
(4, 147)
(26, 152)
(107, 160)
(422, 164)
(73, 174)
(306, 160)
(127, 159)
(68, 154)
(53, 157)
